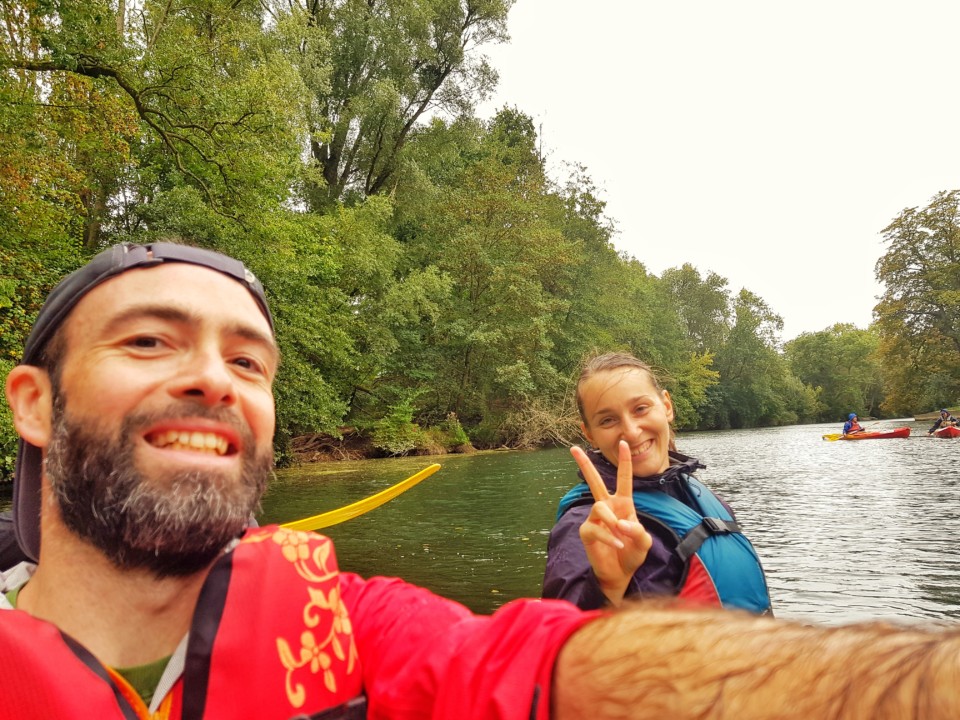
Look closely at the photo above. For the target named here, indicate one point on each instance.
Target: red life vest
(270, 638)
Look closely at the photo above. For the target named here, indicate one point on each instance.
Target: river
(846, 531)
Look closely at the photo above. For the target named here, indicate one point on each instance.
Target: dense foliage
(918, 317)
(842, 366)
(432, 285)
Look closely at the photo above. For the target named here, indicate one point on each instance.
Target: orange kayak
(900, 432)
(947, 432)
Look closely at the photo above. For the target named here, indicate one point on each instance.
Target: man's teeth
(197, 441)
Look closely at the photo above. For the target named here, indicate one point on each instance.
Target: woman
(640, 524)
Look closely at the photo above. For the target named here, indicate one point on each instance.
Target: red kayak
(947, 432)
(900, 432)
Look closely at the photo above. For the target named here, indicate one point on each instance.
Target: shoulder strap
(87, 658)
(579, 494)
(693, 526)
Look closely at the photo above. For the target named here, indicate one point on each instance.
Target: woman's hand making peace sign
(615, 541)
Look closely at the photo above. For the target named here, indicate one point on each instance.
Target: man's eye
(145, 342)
(248, 364)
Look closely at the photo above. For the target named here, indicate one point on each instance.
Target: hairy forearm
(649, 662)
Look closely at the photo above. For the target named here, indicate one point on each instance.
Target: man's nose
(206, 378)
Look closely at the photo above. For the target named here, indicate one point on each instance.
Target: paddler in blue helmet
(852, 425)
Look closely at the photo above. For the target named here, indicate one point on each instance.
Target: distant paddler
(852, 425)
(944, 419)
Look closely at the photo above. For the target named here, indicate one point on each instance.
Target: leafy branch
(166, 128)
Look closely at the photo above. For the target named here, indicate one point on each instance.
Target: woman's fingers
(604, 513)
(590, 474)
(597, 532)
(633, 530)
(624, 470)
(603, 525)
(617, 535)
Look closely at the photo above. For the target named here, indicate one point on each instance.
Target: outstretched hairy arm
(652, 662)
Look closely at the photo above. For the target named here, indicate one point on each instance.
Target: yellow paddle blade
(348, 512)
(833, 436)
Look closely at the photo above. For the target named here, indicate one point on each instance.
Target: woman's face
(625, 404)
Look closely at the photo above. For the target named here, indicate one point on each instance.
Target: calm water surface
(846, 530)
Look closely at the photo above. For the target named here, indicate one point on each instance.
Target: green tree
(216, 103)
(586, 320)
(842, 361)
(702, 303)
(503, 256)
(84, 121)
(689, 385)
(610, 302)
(135, 122)
(753, 375)
(41, 205)
(394, 62)
(918, 316)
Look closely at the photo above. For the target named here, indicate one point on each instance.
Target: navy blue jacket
(940, 421)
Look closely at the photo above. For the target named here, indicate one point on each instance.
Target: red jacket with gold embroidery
(280, 633)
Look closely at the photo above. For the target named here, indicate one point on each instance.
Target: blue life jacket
(721, 565)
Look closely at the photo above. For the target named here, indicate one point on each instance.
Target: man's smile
(197, 441)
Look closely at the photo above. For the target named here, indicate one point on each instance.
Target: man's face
(163, 416)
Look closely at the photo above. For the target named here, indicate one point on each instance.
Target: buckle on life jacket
(708, 527)
(717, 526)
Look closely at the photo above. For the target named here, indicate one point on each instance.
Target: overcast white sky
(769, 142)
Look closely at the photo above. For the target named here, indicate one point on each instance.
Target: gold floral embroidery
(329, 634)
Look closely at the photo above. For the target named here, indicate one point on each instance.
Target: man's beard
(171, 523)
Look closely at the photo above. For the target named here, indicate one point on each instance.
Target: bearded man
(144, 403)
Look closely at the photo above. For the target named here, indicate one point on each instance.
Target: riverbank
(353, 445)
